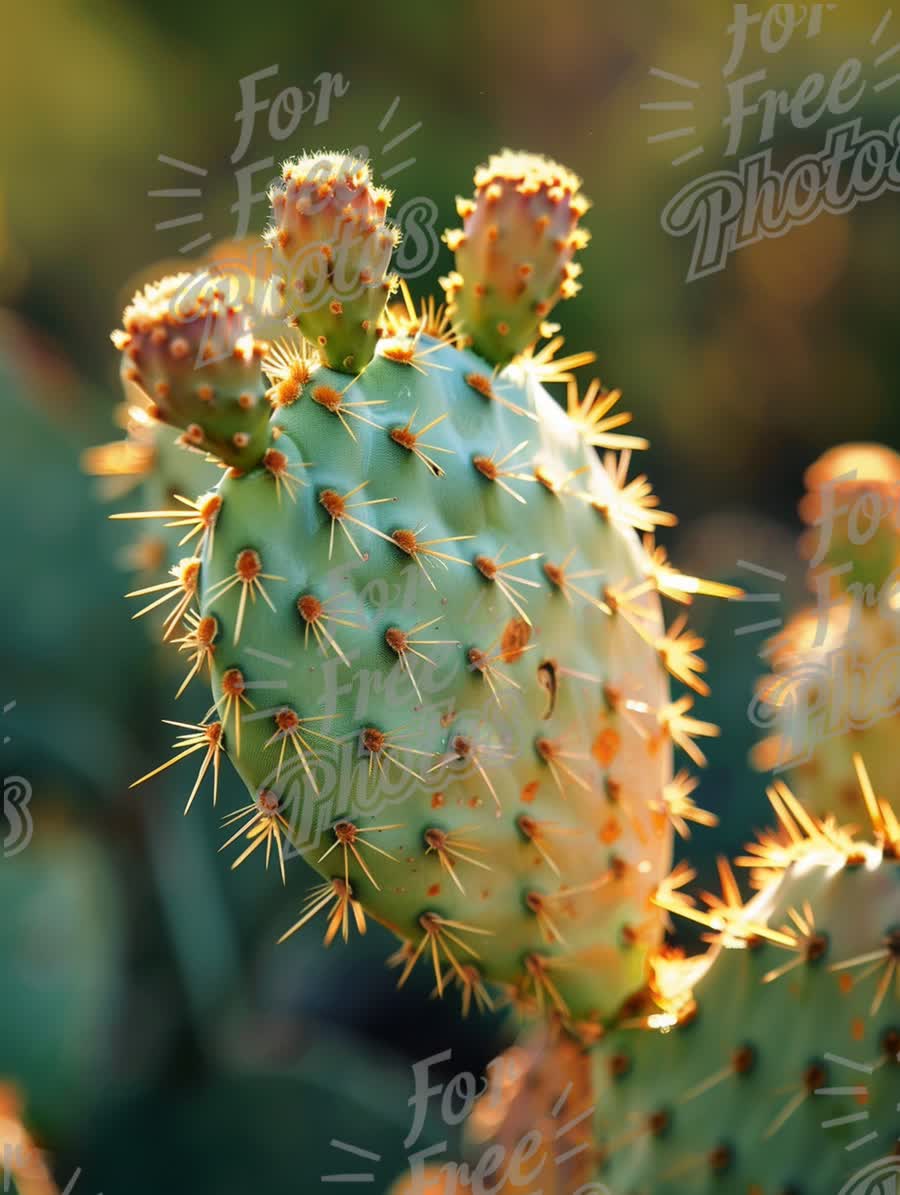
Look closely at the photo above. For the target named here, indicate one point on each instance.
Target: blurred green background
(158, 1038)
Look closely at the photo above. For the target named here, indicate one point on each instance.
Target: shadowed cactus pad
(772, 1066)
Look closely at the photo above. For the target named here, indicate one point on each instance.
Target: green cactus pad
(438, 654)
(421, 634)
(773, 1065)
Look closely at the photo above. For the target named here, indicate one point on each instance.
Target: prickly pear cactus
(835, 682)
(187, 347)
(771, 1065)
(216, 303)
(435, 640)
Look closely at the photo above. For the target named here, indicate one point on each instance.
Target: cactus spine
(771, 1064)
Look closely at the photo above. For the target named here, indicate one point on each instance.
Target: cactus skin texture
(724, 1098)
(768, 1066)
(464, 771)
(835, 682)
(727, 1074)
(428, 615)
(514, 251)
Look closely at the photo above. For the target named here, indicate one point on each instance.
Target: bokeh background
(155, 1035)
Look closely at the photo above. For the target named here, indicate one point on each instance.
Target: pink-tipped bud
(514, 251)
(332, 246)
(185, 344)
